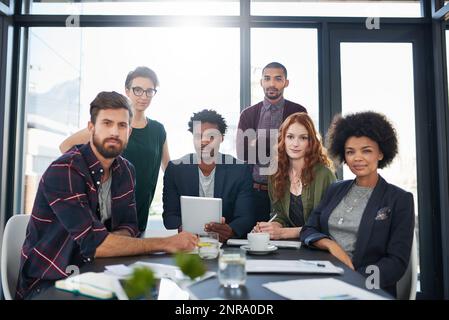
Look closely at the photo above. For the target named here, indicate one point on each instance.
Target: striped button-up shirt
(270, 118)
(65, 227)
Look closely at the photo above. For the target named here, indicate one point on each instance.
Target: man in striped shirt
(85, 205)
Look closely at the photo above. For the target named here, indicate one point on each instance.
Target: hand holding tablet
(196, 212)
(224, 230)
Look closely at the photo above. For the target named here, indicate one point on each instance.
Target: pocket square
(383, 214)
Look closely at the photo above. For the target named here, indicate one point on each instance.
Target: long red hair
(314, 154)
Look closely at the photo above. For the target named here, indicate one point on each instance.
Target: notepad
(292, 266)
(277, 243)
(91, 284)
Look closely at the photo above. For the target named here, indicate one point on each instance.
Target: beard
(111, 151)
(274, 95)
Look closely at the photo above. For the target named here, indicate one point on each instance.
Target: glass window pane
(379, 77)
(298, 53)
(53, 102)
(337, 8)
(68, 70)
(136, 7)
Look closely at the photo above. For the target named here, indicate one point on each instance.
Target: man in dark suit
(208, 173)
(257, 132)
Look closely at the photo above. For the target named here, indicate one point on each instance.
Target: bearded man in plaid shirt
(85, 205)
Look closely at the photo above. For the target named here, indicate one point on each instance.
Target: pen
(271, 220)
(317, 264)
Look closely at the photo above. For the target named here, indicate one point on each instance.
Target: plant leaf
(190, 264)
(140, 284)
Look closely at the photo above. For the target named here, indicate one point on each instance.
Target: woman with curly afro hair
(367, 223)
(303, 174)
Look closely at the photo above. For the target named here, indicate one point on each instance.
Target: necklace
(295, 183)
(352, 200)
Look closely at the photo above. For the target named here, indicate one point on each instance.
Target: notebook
(91, 284)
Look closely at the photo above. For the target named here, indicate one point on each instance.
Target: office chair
(406, 286)
(13, 238)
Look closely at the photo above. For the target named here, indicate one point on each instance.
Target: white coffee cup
(258, 241)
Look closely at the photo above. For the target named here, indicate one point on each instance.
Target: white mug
(258, 241)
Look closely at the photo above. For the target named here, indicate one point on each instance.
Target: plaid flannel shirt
(65, 227)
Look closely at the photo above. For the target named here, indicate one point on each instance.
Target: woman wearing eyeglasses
(367, 223)
(147, 147)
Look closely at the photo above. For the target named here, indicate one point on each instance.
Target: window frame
(432, 126)
(427, 179)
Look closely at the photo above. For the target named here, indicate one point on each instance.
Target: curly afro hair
(363, 124)
(210, 116)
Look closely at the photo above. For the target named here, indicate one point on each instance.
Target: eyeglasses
(138, 91)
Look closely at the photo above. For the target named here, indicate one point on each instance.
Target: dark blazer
(233, 184)
(249, 119)
(385, 234)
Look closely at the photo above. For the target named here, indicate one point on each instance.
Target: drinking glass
(232, 267)
(208, 246)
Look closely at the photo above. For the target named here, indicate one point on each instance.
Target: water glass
(208, 246)
(232, 267)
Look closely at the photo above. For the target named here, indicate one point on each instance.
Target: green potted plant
(142, 284)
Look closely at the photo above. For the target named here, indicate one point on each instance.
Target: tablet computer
(197, 211)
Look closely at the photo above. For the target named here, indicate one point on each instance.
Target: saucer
(269, 249)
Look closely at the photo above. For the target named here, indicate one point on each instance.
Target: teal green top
(144, 151)
(311, 195)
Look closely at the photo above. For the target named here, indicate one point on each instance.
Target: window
(136, 7)
(53, 107)
(298, 52)
(379, 77)
(337, 8)
(197, 67)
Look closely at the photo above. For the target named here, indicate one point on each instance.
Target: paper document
(172, 272)
(320, 289)
(161, 270)
(292, 266)
(169, 290)
(118, 270)
(277, 243)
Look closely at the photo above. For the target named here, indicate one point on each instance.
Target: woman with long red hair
(304, 172)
